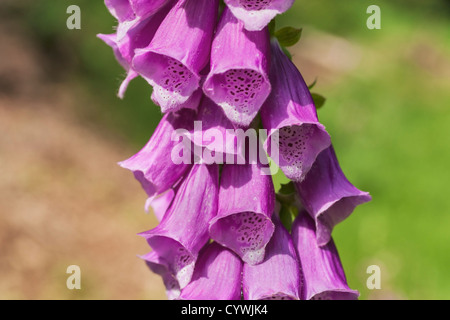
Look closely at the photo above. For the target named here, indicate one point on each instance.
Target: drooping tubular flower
(323, 274)
(238, 80)
(132, 35)
(256, 14)
(246, 203)
(217, 275)
(277, 277)
(180, 49)
(152, 166)
(327, 194)
(183, 231)
(289, 112)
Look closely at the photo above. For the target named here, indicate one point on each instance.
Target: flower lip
(256, 14)
(180, 261)
(327, 195)
(246, 233)
(335, 212)
(297, 148)
(240, 92)
(160, 267)
(173, 82)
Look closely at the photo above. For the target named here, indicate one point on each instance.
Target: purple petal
(214, 137)
(184, 229)
(132, 35)
(160, 203)
(111, 40)
(236, 83)
(278, 276)
(290, 117)
(327, 194)
(153, 166)
(217, 275)
(323, 274)
(256, 14)
(160, 267)
(192, 102)
(246, 204)
(120, 9)
(145, 8)
(178, 52)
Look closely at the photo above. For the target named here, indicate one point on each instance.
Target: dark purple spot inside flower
(255, 4)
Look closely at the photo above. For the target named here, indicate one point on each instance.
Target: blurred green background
(387, 109)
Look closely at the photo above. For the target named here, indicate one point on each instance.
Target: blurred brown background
(63, 199)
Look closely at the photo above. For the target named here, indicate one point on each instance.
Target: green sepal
(288, 36)
(319, 100)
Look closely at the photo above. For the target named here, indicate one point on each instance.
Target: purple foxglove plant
(238, 80)
(327, 194)
(130, 36)
(217, 275)
(323, 274)
(277, 277)
(246, 203)
(153, 166)
(256, 14)
(179, 51)
(290, 114)
(183, 231)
